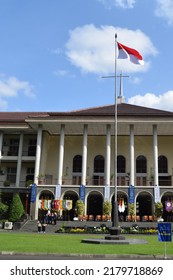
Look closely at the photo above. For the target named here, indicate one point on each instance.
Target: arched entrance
(45, 200)
(167, 201)
(95, 203)
(144, 205)
(70, 195)
(122, 201)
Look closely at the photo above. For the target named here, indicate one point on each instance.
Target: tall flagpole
(115, 206)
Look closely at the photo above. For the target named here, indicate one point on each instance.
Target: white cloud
(163, 101)
(92, 49)
(164, 9)
(11, 87)
(118, 3)
(3, 105)
(63, 73)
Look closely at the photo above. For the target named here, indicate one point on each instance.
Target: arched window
(163, 164)
(121, 164)
(99, 164)
(141, 164)
(77, 164)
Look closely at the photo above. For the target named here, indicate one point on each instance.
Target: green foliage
(16, 209)
(107, 207)
(158, 209)
(131, 209)
(7, 183)
(3, 208)
(80, 207)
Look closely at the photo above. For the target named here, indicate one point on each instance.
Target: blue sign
(33, 192)
(131, 194)
(82, 193)
(164, 232)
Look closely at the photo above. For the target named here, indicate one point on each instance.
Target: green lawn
(71, 244)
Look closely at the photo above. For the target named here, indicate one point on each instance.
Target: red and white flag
(133, 55)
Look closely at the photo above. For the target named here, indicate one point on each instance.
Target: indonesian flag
(132, 54)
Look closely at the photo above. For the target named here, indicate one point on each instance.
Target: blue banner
(164, 232)
(82, 193)
(33, 192)
(131, 194)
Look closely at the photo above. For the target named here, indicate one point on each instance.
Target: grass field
(71, 244)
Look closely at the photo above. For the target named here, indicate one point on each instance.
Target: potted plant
(80, 207)
(40, 179)
(107, 207)
(7, 183)
(28, 183)
(131, 209)
(158, 210)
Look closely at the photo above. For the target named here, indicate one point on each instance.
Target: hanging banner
(106, 193)
(82, 193)
(156, 194)
(121, 205)
(58, 192)
(56, 204)
(168, 206)
(33, 192)
(131, 194)
(68, 204)
(164, 232)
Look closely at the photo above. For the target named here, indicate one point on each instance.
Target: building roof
(123, 109)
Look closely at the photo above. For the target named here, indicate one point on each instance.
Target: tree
(16, 209)
(3, 207)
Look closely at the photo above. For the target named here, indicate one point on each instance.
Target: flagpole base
(115, 234)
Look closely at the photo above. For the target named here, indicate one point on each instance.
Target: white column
(155, 150)
(38, 154)
(132, 169)
(84, 156)
(19, 160)
(61, 155)
(108, 155)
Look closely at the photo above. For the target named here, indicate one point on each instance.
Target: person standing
(39, 226)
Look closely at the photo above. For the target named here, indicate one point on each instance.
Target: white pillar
(132, 169)
(84, 156)
(61, 155)
(108, 155)
(155, 150)
(38, 154)
(19, 160)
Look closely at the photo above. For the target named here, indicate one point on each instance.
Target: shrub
(107, 207)
(80, 207)
(158, 209)
(16, 209)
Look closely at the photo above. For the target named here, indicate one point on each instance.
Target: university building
(70, 155)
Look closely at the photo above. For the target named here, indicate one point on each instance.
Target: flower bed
(103, 229)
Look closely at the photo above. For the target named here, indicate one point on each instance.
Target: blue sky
(54, 53)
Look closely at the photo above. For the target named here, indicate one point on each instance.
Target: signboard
(131, 194)
(164, 232)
